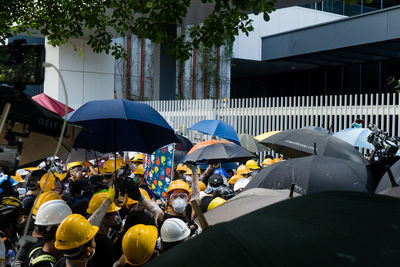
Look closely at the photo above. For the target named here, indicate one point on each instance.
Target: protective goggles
(179, 195)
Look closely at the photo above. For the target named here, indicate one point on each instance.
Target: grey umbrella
(251, 144)
(304, 142)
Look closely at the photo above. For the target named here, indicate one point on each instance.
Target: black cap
(215, 180)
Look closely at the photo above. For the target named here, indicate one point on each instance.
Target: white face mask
(188, 179)
(179, 205)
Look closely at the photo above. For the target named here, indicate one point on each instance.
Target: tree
(61, 20)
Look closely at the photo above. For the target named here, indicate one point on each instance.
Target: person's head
(11, 218)
(111, 214)
(138, 159)
(173, 231)
(132, 203)
(49, 216)
(138, 244)
(139, 174)
(75, 170)
(215, 180)
(267, 162)
(222, 172)
(75, 237)
(215, 203)
(47, 182)
(189, 175)
(240, 185)
(224, 192)
(43, 198)
(181, 170)
(244, 171)
(33, 183)
(253, 166)
(178, 195)
(233, 180)
(113, 167)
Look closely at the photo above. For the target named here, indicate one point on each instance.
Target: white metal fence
(258, 115)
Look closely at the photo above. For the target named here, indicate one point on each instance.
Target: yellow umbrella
(265, 135)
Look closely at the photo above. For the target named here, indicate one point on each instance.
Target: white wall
(282, 20)
(89, 76)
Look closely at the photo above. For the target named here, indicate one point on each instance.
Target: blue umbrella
(121, 125)
(216, 128)
(356, 137)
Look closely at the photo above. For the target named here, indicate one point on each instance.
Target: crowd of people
(76, 214)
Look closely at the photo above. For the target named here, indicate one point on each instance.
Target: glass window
(390, 3)
(373, 6)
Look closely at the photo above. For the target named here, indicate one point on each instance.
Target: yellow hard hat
(60, 176)
(242, 169)
(138, 158)
(73, 164)
(131, 201)
(252, 164)
(202, 186)
(43, 198)
(215, 203)
(97, 200)
(50, 182)
(73, 232)
(277, 160)
(181, 167)
(235, 178)
(139, 170)
(178, 184)
(109, 165)
(190, 172)
(18, 178)
(139, 243)
(268, 161)
(31, 169)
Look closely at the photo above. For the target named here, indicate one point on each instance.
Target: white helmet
(52, 212)
(174, 230)
(240, 184)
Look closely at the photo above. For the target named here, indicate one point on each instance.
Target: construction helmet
(31, 169)
(190, 172)
(252, 164)
(52, 212)
(224, 192)
(9, 205)
(139, 243)
(181, 167)
(49, 186)
(267, 162)
(138, 158)
(139, 170)
(43, 198)
(242, 169)
(131, 201)
(73, 164)
(109, 165)
(73, 232)
(97, 200)
(235, 178)
(240, 184)
(178, 184)
(215, 203)
(277, 160)
(173, 230)
(60, 176)
(202, 186)
(221, 172)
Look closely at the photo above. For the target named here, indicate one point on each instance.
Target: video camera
(385, 146)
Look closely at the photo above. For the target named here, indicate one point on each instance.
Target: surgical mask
(179, 205)
(188, 178)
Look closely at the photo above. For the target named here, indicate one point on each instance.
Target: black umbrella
(321, 229)
(390, 180)
(251, 144)
(219, 151)
(314, 174)
(304, 142)
(184, 144)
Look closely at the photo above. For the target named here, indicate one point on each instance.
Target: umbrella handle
(116, 202)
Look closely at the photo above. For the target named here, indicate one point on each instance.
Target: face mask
(188, 179)
(179, 205)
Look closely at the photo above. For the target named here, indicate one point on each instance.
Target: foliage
(60, 21)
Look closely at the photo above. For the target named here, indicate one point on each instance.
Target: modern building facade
(353, 54)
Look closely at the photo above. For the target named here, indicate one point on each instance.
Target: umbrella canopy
(121, 125)
(244, 203)
(321, 229)
(51, 104)
(251, 144)
(216, 128)
(265, 135)
(317, 128)
(315, 174)
(214, 151)
(385, 183)
(357, 137)
(184, 144)
(80, 154)
(300, 143)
